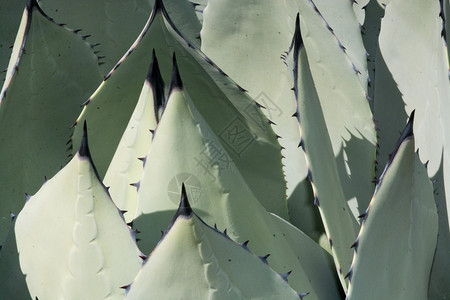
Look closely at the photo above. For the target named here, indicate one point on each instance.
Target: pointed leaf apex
(83, 151)
(185, 208)
(158, 7)
(176, 82)
(154, 74)
(297, 41)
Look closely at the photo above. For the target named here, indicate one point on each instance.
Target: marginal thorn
(303, 295)
(349, 274)
(264, 259)
(363, 215)
(316, 201)
(285, 276)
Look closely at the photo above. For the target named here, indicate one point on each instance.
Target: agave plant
(237, 150)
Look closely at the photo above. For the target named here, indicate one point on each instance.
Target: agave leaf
(256, 65)
(424, 85)
(387, 105)
(340, 17)
(126, 166)
(231, 113)
(338, 65)
(199, 7)
(12, 280)
(317, 263)
(114, 25)
(195, 261)
(10, 17)
(389, 111)
(439, 288)
(50, 73)
(395, 247)
(370, 32)
(359, 7)
(185, 149)
(89, 251)
(302, 212)
(339, 222)
(254, 70)
(259, 33)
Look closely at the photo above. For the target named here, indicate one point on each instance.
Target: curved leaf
(126, 166)
(88, 250)
(339, 222)
(185, 149)
(232, 115)
(395, 247)
(317, 263)
(338, 65)
(259, 33)
(113, 26)
(195, 261)
(52, 71)
(425, 87)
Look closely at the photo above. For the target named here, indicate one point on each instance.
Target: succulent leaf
(425, 87)
(50, 72)
(269, 83)
(185, 149)
(395, 247)
(195, 261)
(126, 169)
(337, 59)
(114, 26)
(232, 115)
(339, 222)
(89, 251)
(317, 263)
(424, 84)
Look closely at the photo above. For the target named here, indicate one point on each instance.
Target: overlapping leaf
(113, 26)
(51, 71)
(261, 31)
(232, 115)
(185, 149)
(339, 222)
(195, 261)
(89, 251)
(338, 65)
(395, 248)
(126, 166)
(425, 87)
